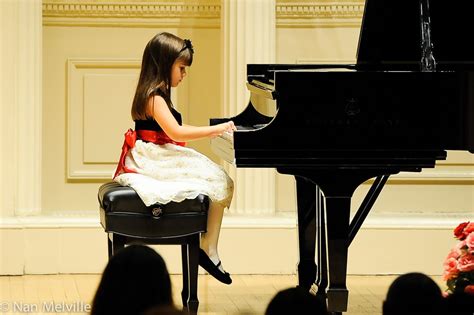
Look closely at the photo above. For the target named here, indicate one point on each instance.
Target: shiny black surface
(390, 35)
(352, 115)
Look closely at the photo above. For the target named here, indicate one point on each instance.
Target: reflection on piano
(407, 100)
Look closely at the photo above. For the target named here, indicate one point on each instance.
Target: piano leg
(338, 212)
(306, 202)
(322, 264)
(338, 187)
(311, 223)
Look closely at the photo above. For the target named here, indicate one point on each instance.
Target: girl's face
(178, 72)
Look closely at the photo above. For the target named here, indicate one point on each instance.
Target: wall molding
(58, 243)
(145, 13)
(148, 13)
(323, 14)
(130, 9)
(439, 175)
(83, 161)
(404, 220)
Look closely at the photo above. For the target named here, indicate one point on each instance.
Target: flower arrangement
(459, 264)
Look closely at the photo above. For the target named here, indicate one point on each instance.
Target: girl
(155, 161)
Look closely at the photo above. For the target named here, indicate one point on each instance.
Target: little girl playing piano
(155, 161)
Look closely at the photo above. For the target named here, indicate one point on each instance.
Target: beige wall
(317, 45)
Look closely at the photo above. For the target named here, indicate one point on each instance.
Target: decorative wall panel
(99, 92)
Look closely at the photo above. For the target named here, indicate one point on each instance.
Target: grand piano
(407, 100)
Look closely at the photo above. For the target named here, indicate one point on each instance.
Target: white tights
(210, 239)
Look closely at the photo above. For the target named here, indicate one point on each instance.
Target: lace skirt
(173, 173)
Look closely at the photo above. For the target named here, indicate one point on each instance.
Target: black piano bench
(127, 220)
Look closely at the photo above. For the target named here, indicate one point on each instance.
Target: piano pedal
(314, 289)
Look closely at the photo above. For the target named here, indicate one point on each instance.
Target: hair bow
(187, 44)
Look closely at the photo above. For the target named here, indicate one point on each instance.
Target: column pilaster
(20, 107)
(248, 36)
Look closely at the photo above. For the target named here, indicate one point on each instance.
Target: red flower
(459, 263)
(469, 228)
(450, 268)
(459, 231)
(466, 263)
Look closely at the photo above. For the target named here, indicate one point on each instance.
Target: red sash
(131, 136)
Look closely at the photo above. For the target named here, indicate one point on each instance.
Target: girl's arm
(164, 117)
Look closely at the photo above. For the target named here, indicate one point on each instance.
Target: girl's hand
(224, 127)
(231, 126)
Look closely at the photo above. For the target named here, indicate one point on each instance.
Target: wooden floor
(248, 294)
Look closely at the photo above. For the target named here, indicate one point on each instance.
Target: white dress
(170, 172)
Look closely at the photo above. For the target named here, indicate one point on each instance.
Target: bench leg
(109, 244)
(184, 262)
(190, 278)
(117, 242)
(193, 265)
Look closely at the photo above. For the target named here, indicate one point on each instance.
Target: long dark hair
(155, 75)
(134, 280)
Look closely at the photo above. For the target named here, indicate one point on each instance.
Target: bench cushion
(123, 212)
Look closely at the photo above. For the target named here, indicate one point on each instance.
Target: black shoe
(208, 265)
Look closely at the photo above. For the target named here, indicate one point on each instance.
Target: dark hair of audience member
(296, 301)
(413, 293)
(134, 280)
(459, 303)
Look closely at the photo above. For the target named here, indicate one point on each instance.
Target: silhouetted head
(135, 279)
(459, 303)
(413, 293)
(296, 301)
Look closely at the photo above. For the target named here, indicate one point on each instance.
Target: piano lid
(390, 36)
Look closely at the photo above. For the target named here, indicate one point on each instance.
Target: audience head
(459, 303)
(413, 293)
(296, 301)
(134, 280)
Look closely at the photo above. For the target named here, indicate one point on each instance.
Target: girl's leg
(210, 239)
